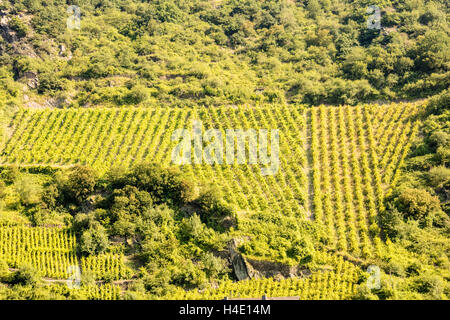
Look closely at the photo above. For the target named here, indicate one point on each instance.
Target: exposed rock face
(245, 268)
(62, 49)
(31, 79)
(5, 31)
(64, 53)
(12, 43)
(269, 269)
(238, 261)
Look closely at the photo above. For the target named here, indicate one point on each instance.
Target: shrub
(18, 26)
(439, 138)
(390, 221)
(431, 51)
(430, 284)
(164, 184)
(26, 275)
(364, 293)
(212, 210)
(438, 176)
(50, 196)
(136, 95)
(10, 174)
(192, 228)
(417, 204)
(49, 82)
(80, 184)
(4, 270)
(29, 191)
(443, 154)
(214, 267)
(129, 201)
(87, 278)
(2, 189)
(94, 240)
(301, 250)
(439, 103)
(136, 291)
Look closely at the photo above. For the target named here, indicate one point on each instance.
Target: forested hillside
(223, 52)
(91, 93)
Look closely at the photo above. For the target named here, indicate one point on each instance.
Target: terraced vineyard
(91, 292)
(49, 250)
(106, 266)
(103, 138)
(356, 152)
(52, 251)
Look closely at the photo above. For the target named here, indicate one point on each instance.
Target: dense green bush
(432, 285)
(26, 275)
(93, 240)
(10, 174)
(4, 271)
(390, 221)
(2, 189)
(80, 184)
(18, 26)
(164, 185)
(213, 211)
(439, 103)
(439, 176)
(29, 191)
(417, 204)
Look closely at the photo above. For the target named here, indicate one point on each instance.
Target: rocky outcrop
(245, 268)
(238, 261)
(267, 269)
(31, 79)
(6, 32)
